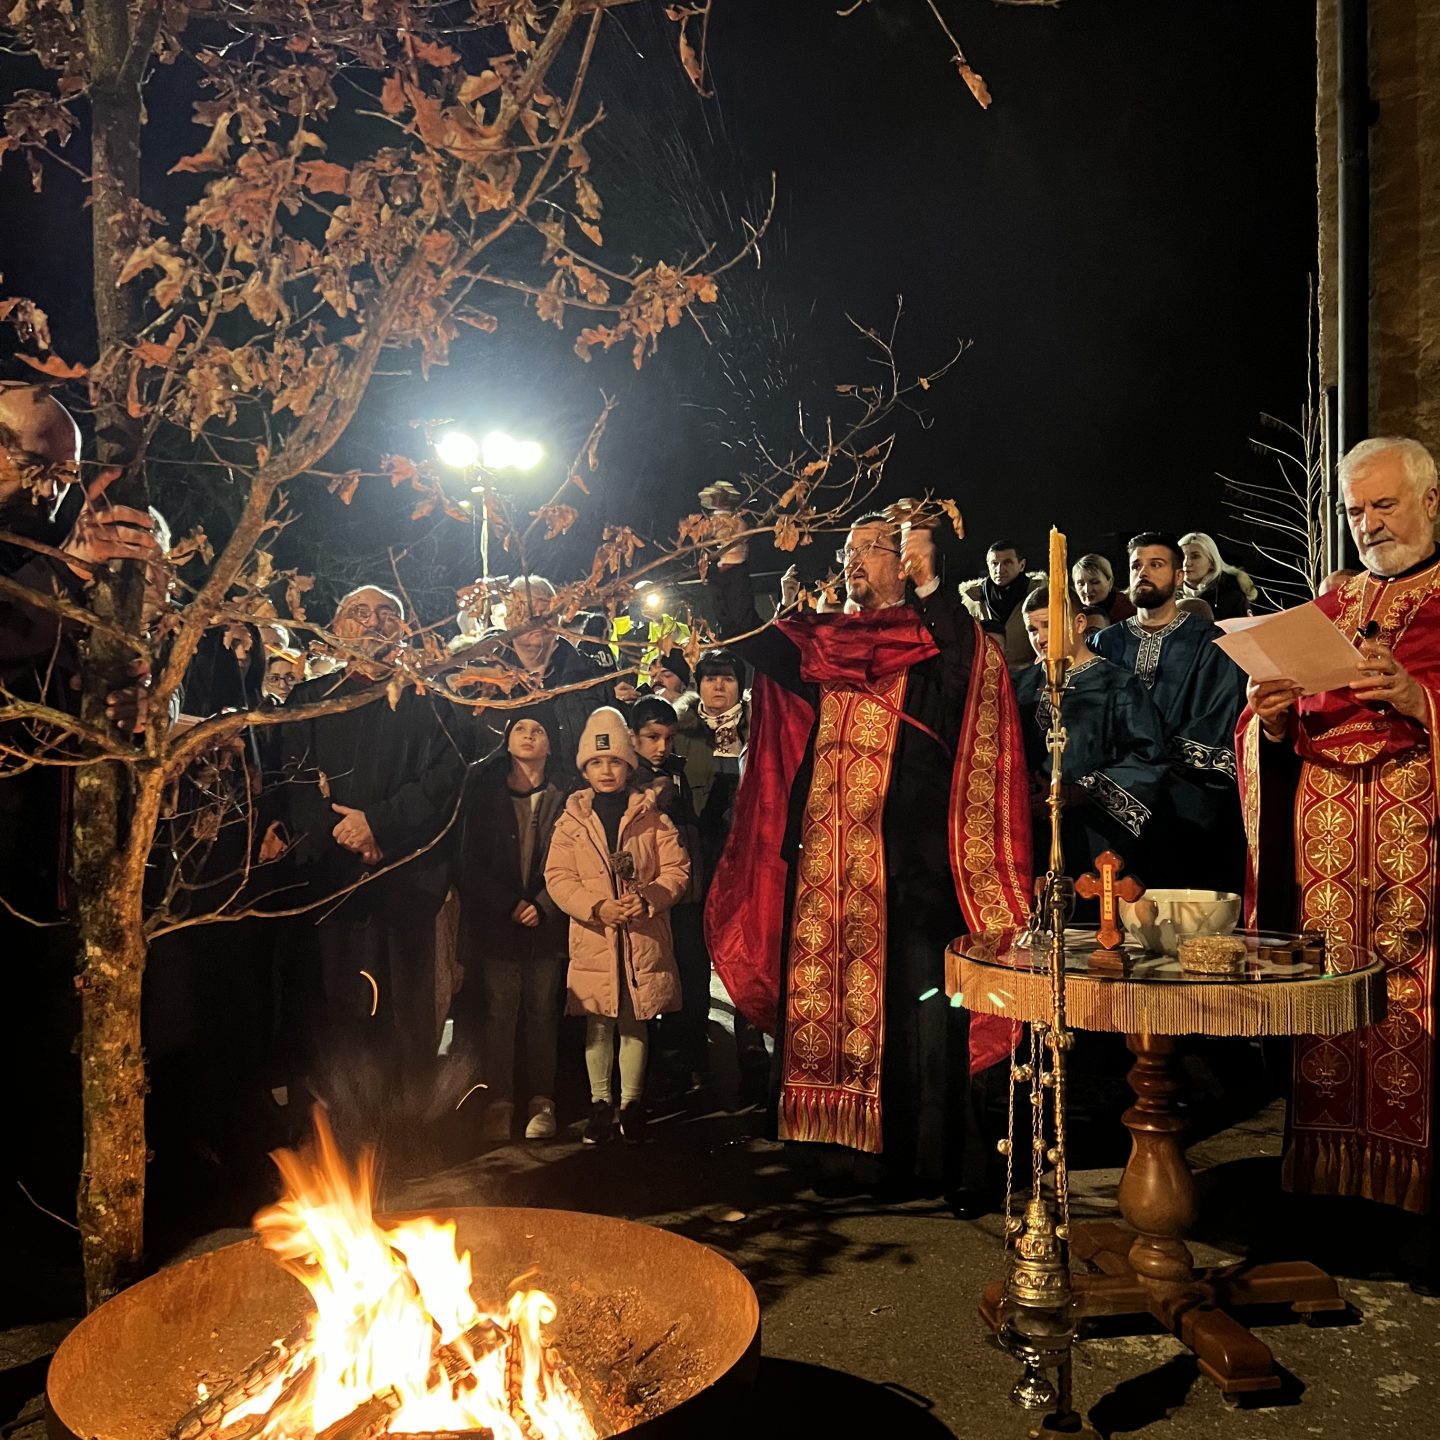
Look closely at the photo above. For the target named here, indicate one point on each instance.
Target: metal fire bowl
(646, 1319)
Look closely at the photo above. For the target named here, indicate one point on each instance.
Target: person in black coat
(512, 935)
(363, 801)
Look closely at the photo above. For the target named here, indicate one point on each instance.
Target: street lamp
(457, 450)
(478, 460)
(499, 451)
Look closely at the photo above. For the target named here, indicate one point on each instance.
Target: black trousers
(506, 997)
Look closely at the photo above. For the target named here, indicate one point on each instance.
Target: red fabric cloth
(990, 833)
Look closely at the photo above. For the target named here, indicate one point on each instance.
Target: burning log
(206, 1420)
(480, 1339)
(367, 1421)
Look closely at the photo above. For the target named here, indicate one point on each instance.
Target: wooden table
(1145, 1268)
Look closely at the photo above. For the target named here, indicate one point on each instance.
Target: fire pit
(609, 1326)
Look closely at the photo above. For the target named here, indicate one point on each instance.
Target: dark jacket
(487, 869)
(1011, 631)
(1224, 596)
(669, 785)
(402, 767)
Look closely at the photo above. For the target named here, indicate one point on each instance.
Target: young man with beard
(995, 599)
(1354, 772)
(1199, 691)
(883, 812)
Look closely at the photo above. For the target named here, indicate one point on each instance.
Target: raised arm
(773, 654)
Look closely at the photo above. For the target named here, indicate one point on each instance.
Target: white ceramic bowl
(1160, 919)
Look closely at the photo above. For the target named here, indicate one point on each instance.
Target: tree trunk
(111, 1200)
(114, 818)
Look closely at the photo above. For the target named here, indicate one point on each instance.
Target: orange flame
(395, 1324)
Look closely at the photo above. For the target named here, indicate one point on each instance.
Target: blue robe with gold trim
(1115, 753)
(1197, 836)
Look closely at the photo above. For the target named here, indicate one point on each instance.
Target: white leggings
(600, 1053)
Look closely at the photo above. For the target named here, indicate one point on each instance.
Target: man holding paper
(1351, 774)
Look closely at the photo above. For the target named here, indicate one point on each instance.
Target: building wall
(1404, 213)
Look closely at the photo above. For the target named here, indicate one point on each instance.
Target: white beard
(1394, 558)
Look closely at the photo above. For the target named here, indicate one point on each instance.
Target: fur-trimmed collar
(1038, 576)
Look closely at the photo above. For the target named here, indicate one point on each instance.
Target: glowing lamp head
(500, 451)
(457, 450)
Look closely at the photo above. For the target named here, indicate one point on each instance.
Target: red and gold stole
(835, 1000)
(1367, 854)
(835, 996)
(835, 1006)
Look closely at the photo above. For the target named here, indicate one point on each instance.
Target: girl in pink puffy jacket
(616, 866)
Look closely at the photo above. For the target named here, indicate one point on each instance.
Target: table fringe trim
(1332, 1006)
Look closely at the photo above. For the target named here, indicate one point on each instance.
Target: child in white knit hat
(616, 866)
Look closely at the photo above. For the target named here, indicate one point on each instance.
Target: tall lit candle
(1057, 646)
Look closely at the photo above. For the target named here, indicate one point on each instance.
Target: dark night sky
(1124, 238)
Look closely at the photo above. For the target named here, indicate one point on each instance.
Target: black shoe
(632, 1123)
(1426, 1284)
(600, 1127)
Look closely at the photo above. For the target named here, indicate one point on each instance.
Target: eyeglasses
(385, 614)
(847, 553)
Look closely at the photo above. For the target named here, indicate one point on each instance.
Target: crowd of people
(797, 826)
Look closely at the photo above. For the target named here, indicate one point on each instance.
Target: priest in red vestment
(883, 812)
(1340, 796)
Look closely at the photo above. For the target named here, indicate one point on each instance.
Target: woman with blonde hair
(1226, 589)
(1094, 581)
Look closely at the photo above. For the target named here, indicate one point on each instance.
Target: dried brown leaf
(54, 366)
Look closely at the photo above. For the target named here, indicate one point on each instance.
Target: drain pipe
(1352, 103)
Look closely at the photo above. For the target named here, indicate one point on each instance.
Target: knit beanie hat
(676, 663)
(605, 733)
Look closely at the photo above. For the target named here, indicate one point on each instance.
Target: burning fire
(397, 1344)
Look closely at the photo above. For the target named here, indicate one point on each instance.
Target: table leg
(1157, 1198)
(1157, 1192)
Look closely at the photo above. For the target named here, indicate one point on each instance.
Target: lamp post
(480, 461)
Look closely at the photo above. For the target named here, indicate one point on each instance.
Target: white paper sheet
(1300, 645)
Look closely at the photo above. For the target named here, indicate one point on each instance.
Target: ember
(397, 1344)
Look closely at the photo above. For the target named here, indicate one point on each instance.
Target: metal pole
(1352, 108)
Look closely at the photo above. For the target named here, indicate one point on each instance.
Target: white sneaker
(541, 1125)
(496, 1122)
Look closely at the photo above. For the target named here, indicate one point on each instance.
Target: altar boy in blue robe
(1115, 764)
(1199, 692)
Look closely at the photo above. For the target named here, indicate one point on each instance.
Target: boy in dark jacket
(512, 935)
(653, 724)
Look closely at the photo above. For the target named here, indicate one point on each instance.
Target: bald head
(36, 433)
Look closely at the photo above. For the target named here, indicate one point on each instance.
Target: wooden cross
(1107, 885)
